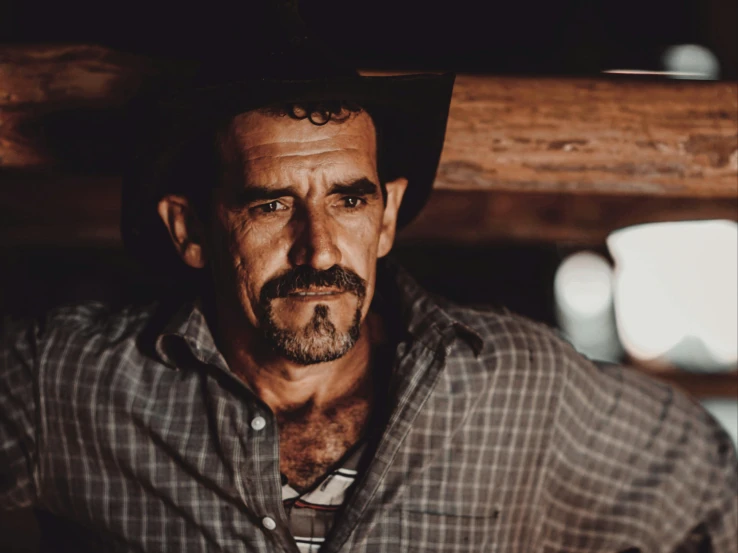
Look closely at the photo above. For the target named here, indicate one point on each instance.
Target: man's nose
(315, 243)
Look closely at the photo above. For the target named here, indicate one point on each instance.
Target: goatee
(319, 341)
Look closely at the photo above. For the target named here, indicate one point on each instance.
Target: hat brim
(409, 111)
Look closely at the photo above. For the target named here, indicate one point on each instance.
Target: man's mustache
(304, 277)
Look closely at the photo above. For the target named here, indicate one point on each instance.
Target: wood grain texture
(592, 136)
(475, 217)
(575, 136)
(48, 77)
(49, 95)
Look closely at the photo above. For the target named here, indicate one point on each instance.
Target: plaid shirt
(499, 437)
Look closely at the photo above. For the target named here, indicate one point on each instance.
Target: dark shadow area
(569, 37)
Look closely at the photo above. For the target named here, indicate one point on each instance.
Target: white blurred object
(693, 60)
(583, 294)
(726, 413)
(676, 293)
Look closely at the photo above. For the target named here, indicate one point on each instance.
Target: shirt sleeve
(636, 462)
(18, 414)
(716, 530)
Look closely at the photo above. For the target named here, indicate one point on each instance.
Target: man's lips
(315, 293)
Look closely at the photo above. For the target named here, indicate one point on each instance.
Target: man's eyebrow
(359, 187)
(253, 194)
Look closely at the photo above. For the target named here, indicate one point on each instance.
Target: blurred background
(540, 250)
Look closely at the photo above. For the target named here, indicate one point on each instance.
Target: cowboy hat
(409, 113)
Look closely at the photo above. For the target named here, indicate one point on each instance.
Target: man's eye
(271, 207)
(353, 201)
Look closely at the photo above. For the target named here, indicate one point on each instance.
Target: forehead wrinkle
(278, 148)
(247, 159)
(310, 180)
(297, 135)
(281, 166)
(310, 143)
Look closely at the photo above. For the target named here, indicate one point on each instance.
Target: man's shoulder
(623, 442)
(94, 319)
(616, 420)
(511, 355)
(504, 333)
(83, 325)
(532, 353)
(76, 343)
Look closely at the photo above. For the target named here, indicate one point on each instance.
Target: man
(312, 397)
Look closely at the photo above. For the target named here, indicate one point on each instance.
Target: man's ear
(184, 228)
(395, 192)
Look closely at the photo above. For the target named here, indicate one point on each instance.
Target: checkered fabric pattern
(499, 438)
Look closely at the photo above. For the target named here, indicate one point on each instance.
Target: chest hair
(312, 440)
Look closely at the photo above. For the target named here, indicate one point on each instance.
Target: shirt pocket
(430, 532)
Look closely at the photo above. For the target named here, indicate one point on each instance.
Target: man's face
(299, 224)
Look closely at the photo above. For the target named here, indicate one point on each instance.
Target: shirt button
(268, 523)
(258, 423)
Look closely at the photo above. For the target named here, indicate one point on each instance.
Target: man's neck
(284, 385)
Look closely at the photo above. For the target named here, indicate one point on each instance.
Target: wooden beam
(700, 385)
(475, 217)
(57, 101)
(67, 211)
(592, 136)
(52, 77)
(575, 136)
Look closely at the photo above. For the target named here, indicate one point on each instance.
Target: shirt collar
(188, 327)
(426, 317)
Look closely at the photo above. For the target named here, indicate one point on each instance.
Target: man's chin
(302, 350)
(317, 341)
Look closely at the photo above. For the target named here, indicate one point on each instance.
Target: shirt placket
(415, 376)
(256, 463)
(258, 477)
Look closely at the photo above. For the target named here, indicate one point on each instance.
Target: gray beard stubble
(318, 342)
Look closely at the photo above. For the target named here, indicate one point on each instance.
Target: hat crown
(275, 44)
(279, 62)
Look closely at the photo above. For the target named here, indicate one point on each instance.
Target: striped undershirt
(311, 514)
